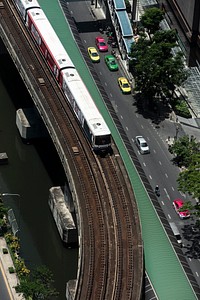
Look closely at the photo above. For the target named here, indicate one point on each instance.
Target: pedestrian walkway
(5, 263)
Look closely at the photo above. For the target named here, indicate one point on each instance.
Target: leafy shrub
(181, 108)
(21, 268)
(5, 250)
(11, 270)
(13, 242)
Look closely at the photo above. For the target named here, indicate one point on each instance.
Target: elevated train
(66, 74)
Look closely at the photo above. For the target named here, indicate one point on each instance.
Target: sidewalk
(5, 263)
(170, 129)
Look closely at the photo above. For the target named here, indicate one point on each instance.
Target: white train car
(24, 6)
(63, 69)
(48, 42)
(86, 111)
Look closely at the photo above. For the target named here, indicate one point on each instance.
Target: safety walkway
(5, 263)
(121, 20)
(162, 265)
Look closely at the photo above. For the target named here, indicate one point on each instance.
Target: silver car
(142, 144)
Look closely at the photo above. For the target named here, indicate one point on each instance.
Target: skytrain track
(110, 239)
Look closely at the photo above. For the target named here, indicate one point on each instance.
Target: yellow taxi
(124, 85)
(93, 54)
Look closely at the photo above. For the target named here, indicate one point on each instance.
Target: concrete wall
(187, 8)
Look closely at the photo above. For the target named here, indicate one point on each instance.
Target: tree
(156, 70)
(193, 209)
(151, 19)
(128, 6)
(37, 284)
(188, 155)
(189, 179)
(183, 149)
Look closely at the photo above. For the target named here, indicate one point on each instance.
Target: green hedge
(5, 251)
(11, 270)
(181, 108)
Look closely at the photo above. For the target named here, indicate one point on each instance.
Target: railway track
(110, 238)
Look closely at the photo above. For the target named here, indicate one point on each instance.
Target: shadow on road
(191, 234)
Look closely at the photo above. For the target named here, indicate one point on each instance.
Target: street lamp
(177, 130)
(8, 194)
(11, 216)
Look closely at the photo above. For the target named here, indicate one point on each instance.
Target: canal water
(30, 172)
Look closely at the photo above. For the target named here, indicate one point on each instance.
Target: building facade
(188, 16)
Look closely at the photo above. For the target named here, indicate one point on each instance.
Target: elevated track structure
(111, 248)
(101, 201)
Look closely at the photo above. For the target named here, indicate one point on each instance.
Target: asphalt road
(157, 165)
(4, 289)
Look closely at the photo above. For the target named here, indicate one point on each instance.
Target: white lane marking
(197, 274)
(142, 126)
(150, 177)
(106, 84)
(121, 117)
(173, 189)
(144, 164)
(162, 202)
(132, 140)
(136, 115)
(159, 144)
(190, 259)
(166, 175)
(127, 128)
(154, 150)
(166, 193)
(169, 216)
(160, 162)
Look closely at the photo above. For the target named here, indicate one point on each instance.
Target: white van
(176, 232)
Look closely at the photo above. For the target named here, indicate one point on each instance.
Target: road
(157, 165)
(5, 293)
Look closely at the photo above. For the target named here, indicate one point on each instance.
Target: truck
(176, 233)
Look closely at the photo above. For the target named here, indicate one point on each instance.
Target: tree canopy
(183, 149)
(189, 179)
(187, 154)
(157, 68)
(151, 19)
(37, 284)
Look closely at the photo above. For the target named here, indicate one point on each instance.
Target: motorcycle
(157, 191)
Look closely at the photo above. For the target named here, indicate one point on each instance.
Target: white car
(142, 144)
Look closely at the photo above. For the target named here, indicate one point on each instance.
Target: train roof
(50, 38)
(26, 4)
(85, 102)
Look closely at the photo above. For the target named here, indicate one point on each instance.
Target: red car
(101, 44)
(178, 203)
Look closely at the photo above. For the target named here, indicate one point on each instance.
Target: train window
(35, 34)
(43, 48)
(103, 140)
